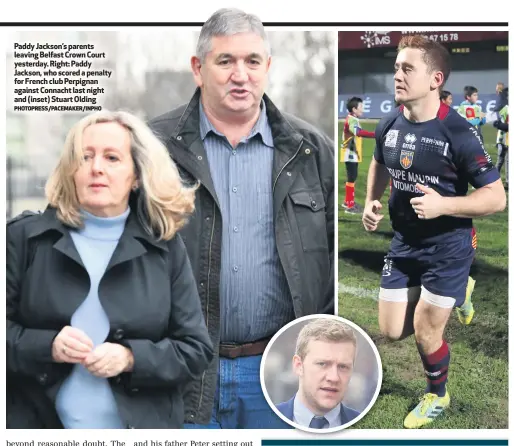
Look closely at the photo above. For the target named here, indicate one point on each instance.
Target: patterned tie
(319, 423)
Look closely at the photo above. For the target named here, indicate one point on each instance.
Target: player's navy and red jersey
(445, 153)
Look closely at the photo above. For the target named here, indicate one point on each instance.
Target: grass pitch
(478, 374)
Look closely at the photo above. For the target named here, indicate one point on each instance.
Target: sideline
(358, 291)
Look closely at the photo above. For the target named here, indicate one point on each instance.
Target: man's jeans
(239, 402)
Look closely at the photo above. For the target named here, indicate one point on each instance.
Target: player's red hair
(435, 55)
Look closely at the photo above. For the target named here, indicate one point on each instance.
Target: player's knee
(424, 335)
(390, 331)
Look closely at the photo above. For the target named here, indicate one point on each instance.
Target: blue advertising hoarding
(379, 104)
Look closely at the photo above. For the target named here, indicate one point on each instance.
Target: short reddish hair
(435, 55)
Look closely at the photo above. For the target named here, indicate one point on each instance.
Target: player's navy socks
(436, 369)
(350, 194)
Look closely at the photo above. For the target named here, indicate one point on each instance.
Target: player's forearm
(378, 177)
(481, 202)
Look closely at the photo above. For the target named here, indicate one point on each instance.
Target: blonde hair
(164, 202)
(323, 329)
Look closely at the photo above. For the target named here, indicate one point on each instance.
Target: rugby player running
(432, 154)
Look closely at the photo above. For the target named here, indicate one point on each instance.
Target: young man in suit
(323, 362)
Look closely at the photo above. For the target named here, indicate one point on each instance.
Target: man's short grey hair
(227, 22)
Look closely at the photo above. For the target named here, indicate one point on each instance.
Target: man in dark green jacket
(261, 240)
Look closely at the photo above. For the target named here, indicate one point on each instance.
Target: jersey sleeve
(378, 153)
(365, 134)
(472, 159)
(355, 128)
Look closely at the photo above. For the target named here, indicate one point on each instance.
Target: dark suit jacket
(347, 414)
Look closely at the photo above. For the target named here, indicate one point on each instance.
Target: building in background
(151, 75)
(366, 60)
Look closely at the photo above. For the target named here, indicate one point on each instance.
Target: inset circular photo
(321, 373)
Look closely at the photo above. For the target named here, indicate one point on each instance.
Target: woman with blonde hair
(104, 322)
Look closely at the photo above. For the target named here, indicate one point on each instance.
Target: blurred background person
(502, 124)
(447, 98)
(351, 151)
(501, 96)
(104, 322)
(471, 110)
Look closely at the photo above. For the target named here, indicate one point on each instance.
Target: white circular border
(331, 429)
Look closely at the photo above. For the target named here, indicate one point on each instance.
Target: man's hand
(431, 205)
(109, 360)
(371, 215)
(71, 345)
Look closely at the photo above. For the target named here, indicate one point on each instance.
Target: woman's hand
(109, 360)
(71, 345)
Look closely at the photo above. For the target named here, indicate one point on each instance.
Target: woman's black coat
(149, 294)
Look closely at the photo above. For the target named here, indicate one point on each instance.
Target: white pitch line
(358, 291)
(487, 319)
